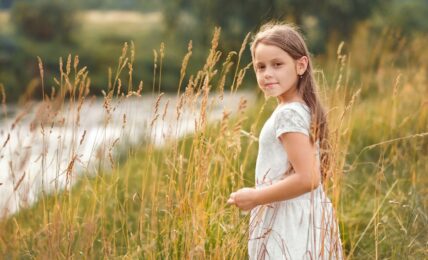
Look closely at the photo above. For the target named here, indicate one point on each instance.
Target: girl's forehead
(267, 51)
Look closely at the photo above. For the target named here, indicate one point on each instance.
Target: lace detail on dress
(289, 120)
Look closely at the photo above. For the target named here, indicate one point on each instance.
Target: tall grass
(170, 201)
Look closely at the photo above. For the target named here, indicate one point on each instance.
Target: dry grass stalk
(156, 110)
(70, 167)
(162, 55)
(41, 70)
(6, 141)
(224, 123)
(3, 99)
(179, 107)
(155, 66)
(123, 122)
(342, 64)
(110, 152)
(20, 116)
(204, 105)
(119, 87)
(29, 91)
(214, 55)
(184, 66)
(83, 137)
(240, 77)
(130, 68)
(76, 64)
(227, 65)
(19, 182)
(241, 51)
(165, 110)
(68, 65)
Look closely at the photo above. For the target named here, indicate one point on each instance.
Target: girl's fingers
(230, 201)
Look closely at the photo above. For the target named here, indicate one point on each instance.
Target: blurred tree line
(326, 18)
(147, 5)
(45, 28)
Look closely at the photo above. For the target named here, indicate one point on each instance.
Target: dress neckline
(293, 102)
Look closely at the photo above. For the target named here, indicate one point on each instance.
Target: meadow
(169, 202)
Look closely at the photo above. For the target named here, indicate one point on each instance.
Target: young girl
(291, 218)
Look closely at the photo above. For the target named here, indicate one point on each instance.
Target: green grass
(384, 197)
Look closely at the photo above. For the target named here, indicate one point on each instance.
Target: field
(170, 202)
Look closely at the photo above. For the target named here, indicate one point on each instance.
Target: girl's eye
(260, 67)
(278, 64)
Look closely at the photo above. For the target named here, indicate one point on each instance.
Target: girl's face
(276, 72)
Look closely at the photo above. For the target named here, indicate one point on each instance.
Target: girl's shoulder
(296, 107)
(292, 117)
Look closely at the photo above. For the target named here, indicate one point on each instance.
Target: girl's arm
(302, 155)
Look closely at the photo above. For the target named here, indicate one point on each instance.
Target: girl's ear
(302, 65)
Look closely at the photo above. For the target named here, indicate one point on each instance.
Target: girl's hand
(245, 198)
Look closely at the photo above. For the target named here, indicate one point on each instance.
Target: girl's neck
(289, 97)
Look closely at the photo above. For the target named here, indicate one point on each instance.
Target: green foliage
(337, 18)
(408, 17)
(141, 5)
(44, 20)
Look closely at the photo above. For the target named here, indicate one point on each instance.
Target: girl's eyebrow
(277, 59)
(274, 60)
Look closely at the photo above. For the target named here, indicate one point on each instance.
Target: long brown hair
(288, 38)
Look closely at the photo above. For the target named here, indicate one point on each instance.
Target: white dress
(300, 228)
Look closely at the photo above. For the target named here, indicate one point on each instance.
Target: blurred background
(96, 30)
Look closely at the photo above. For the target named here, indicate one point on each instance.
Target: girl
(291, 218)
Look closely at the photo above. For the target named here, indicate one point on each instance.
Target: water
(36, 157)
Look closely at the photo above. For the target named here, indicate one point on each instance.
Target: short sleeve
(289, 120)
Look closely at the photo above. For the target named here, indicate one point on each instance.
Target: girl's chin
(269, 94)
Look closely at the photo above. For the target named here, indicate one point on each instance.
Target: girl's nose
(267, 73)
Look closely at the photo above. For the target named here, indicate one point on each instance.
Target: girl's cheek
(259, 83)
(258, 80)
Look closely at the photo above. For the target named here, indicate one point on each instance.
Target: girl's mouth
(270, 85)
